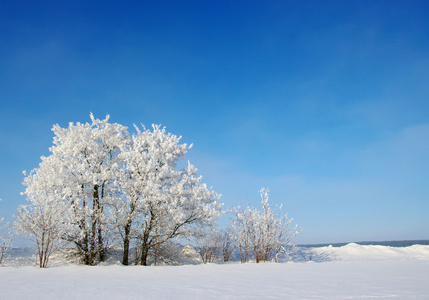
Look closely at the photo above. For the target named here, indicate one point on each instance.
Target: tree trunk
(101, 249)
(94, 218)
(127, 230)
(144, 253)
(145, 239)
(84, 249)
(145, 248)
(83, 244)
(92, 253)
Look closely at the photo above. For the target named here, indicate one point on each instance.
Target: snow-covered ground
(348, 272)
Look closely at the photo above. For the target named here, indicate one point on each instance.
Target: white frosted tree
(263, 235)
(158, 201)
(209, 244)
(44, 221)
(145, 160)
(6, 239)
(80, 172)
(112, 182)
(227, 245)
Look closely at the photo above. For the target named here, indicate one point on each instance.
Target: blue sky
(324, 102)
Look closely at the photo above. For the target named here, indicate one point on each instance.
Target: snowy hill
(356, 252)
(400, 243)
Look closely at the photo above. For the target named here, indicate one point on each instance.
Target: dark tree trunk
(144, 254)
(85, 250)
(94, 218)
(101, 249)
(92, 252)
(145, 240)
(127, 231)
(83, 244)
(145, 248)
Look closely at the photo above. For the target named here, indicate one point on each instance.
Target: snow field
(349, 272)
(330, 280)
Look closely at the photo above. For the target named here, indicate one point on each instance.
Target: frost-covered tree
(263, 235)
(6, 239)
(227, 245)
(160, 202)
(209, 244)
(148, 161)
(182, 207)
(113, 182)
(44, 221)
(157, 202)
(168, 253)
(80, 171)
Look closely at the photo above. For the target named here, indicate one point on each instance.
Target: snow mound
(355, 252)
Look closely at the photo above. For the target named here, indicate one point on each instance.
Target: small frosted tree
(209, 244)
(5, 239)
(43, 221)
(227, 245)
(262, 235)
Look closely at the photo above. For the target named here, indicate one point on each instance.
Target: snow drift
(355, 252)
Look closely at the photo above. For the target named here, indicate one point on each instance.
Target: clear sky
(324, 102)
